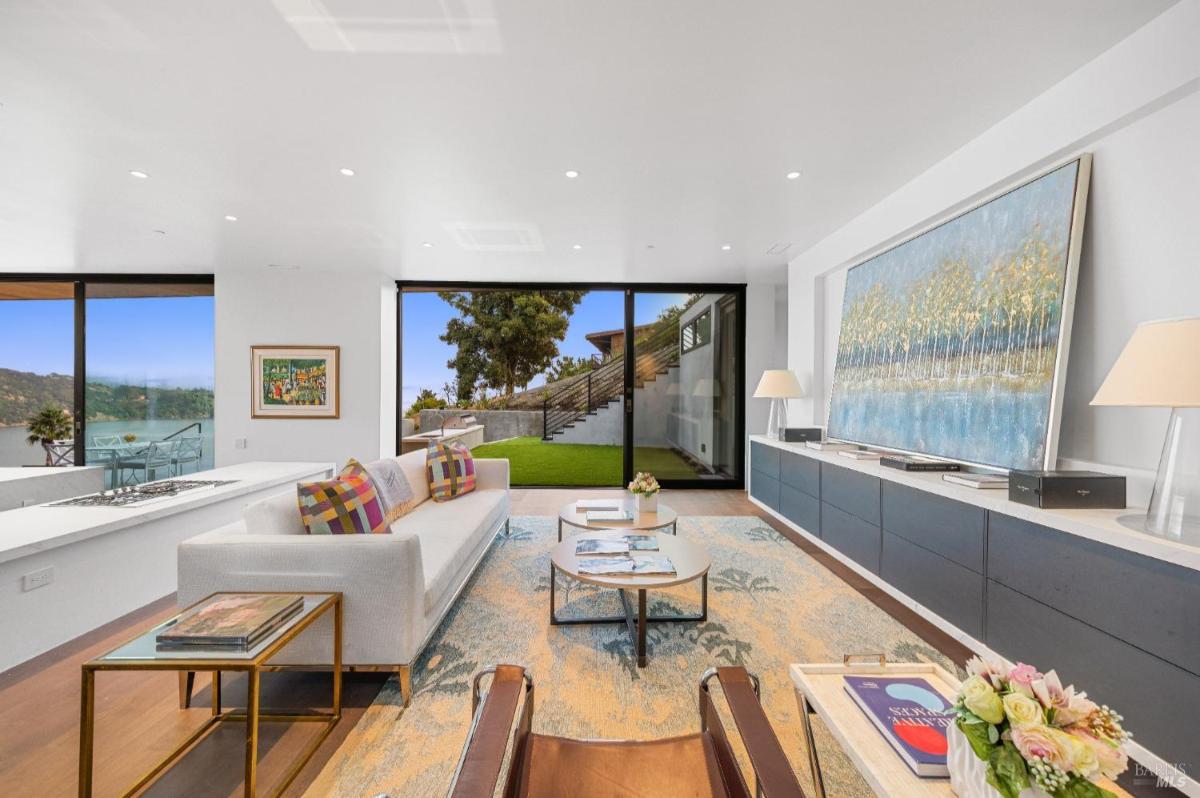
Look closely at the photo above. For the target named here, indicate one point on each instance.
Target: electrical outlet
(239, 443)
(33, 581)
(702, 448)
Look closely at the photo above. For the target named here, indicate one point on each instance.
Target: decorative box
(1067, 489)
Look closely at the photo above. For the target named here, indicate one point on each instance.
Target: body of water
(15, 452)
(991, 428)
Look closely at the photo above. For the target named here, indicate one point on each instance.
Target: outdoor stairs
(604, 385)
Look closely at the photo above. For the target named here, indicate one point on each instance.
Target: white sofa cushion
(413, 466)
(275, 515)
(451, 534)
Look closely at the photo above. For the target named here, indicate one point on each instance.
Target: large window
(115, 371)
(578, 385)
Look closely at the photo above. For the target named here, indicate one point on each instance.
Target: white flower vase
(647, 502)
(968, 773)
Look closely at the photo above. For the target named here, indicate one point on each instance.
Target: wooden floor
(138, 716)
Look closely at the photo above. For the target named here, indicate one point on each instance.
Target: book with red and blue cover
(910, 714)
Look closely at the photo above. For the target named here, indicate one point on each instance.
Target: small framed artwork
(294, 381)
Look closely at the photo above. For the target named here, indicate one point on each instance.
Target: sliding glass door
(113, 370)
(578, 385)
(687, 389)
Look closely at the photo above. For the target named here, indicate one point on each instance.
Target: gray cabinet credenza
(1113, 611)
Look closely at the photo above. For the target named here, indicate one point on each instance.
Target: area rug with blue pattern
(770, 604)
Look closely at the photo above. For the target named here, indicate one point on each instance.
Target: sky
(160, 341)
(425, 317)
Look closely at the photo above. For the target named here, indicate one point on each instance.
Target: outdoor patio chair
(701, 764)
(190, 450)
(106, 440)
(61, 453)
(157, 455)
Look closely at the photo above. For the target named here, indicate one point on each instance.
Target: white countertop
(446, 434)
(27, 530)
(1099, 525)
(9, 474)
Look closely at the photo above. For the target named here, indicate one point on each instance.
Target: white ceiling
(461, 116)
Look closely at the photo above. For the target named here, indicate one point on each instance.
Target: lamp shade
(778, 384)
(1159, 367)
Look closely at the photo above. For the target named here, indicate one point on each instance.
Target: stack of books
(586, 505)
(621, 555)
(915, 463)
(234, 622)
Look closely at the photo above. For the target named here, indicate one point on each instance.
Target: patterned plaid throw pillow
(345, 505)
(450, 470)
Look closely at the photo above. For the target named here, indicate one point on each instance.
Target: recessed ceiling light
(649, 246)
(571, 173)
(230, 218)
(792, 175)
(347, 172)
(577, 246)
(726, 247)
(427, 244)
(138, 173)
(161, 232)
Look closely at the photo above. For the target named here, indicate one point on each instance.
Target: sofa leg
(404, 672)
(187, 679)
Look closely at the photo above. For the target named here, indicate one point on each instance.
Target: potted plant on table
(1021, 734)
(645, 489)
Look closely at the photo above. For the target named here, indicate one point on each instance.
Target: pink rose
(1037, 742)
(1021, 678)
(1079, 707)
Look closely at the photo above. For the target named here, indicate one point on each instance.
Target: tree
(426, 400)
(505, 338)
(49, 424)
(567, 366)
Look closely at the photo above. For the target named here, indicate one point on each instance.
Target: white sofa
(396, 587)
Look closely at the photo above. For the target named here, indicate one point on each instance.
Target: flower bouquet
(1034, 736)
(645, 487)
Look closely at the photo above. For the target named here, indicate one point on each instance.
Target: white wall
(269, 306)
(1137, 109)
(768, 313)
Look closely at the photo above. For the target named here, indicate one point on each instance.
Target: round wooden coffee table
(662, 519)
(691, 563)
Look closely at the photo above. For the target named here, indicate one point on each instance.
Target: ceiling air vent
(779, 249)
(496, 236)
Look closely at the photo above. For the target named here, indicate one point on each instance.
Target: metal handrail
(195, 424)
(607, 383)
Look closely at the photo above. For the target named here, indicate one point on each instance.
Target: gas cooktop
(136, 495)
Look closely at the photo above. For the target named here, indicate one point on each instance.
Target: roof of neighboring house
(603, 340)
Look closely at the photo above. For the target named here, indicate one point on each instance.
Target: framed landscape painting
(954, 342)
(294, 381)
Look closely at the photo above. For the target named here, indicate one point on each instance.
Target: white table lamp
(1160, 367)
(778, 385)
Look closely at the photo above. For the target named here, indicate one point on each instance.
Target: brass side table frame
(252, 715)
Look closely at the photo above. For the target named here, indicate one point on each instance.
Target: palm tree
(51, 423)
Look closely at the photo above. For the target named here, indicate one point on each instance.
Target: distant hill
(22, 393)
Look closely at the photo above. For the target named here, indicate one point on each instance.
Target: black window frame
(693, 324)
(630, 290)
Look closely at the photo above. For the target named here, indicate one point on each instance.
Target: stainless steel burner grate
(140, 494)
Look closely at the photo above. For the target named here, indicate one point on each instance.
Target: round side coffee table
(662, 520)
(691, 563)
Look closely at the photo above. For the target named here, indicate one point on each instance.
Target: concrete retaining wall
(497, 424)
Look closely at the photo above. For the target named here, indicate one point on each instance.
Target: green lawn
(535, 462)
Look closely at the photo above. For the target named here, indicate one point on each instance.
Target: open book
(633, 565)
(618, 545)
